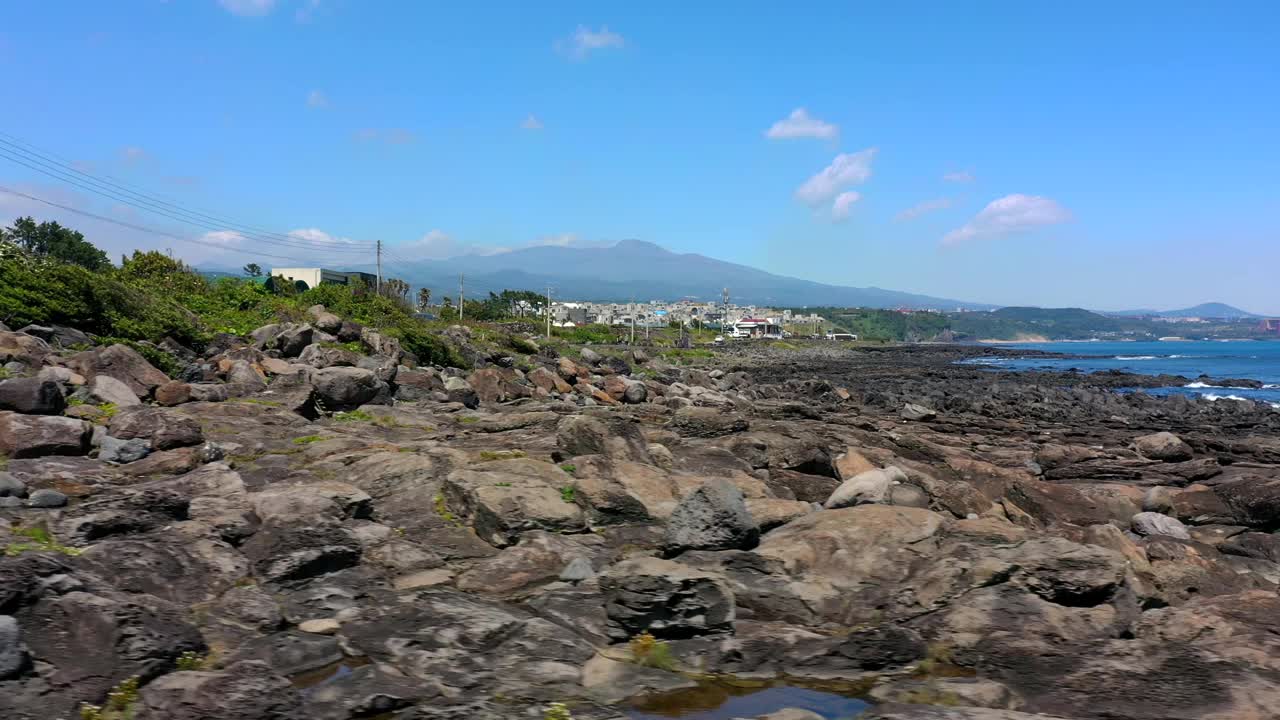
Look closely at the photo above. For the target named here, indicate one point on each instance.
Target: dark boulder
(713, 517)
(665, 599)
(32, 396)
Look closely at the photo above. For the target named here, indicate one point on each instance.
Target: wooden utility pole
(548, 312)
(460, 277)
(378, 289)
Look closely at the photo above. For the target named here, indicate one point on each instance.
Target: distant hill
(1203, 310)
(643, 271)
(1053, 323)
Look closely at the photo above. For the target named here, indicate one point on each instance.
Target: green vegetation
(51, 240)
(120, 703)
(557, 711)
(569, 494)
(442, 509)
(151, 296)
(648, 651)
(352, 416)
(588, 334)
(354, 346)
(885, 325)
(40, 541)
(307, 439)
(936, 656)
(468, 419)
(191, 661)
(569, 468)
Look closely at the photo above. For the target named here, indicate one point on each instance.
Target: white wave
(1212, 397)
(1271, 386)
(1175, 357)
(1135, 357)
(1198, 385)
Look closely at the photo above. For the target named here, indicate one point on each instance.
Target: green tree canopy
(49, 239)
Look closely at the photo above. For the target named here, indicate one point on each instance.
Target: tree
(52, 240)
(396, 289)
(424, 299)
(253, 270)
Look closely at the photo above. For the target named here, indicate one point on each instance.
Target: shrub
(557, 711)
(191, 661)
(648, 651)
(120, 703)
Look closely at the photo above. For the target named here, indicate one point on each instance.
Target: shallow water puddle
(716, 701)
(311, 679)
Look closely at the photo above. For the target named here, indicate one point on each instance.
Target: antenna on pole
(460, 277)
(379, 251)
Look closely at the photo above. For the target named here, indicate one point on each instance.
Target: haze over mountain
(642, 271)
(1203, 310)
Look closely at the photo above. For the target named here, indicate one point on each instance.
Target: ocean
(1245, 359)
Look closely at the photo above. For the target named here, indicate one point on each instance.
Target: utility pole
(633, 321)
(548, 312)
(379, 286)
(460, 276)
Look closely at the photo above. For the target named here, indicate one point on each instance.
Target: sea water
(1244, 359)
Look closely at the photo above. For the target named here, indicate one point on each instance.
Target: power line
(104, 190)
(29, 151)
(300, 244)
(140, 228)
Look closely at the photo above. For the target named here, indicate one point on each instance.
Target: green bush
(152, 296)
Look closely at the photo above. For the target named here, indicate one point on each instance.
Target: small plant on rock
(557, 711)
(120, 703)
(569, 494)
(307, 439)
(352, 416)
(569, 468)
(190, 660)
(442, 509)
(648, 651)
(40, 540)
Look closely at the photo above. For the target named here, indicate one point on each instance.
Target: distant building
(315, 277)
(755, 328)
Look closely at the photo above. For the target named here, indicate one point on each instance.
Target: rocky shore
(306, 524)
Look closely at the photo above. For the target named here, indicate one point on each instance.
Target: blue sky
(1106, 155)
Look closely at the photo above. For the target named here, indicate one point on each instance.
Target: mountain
(641, 271)
(1203, 310)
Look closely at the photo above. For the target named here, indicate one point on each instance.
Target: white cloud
(248, 8)
(317, 99)
(390, 136)
(1010, 214)
(316, 235)
(847, 169)
(924, 208)
(561, 240)
(959, 176)
(133, 154)
(584, 41)
(223, 238)
(531, 123)
(800, 124)
(843, 205)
